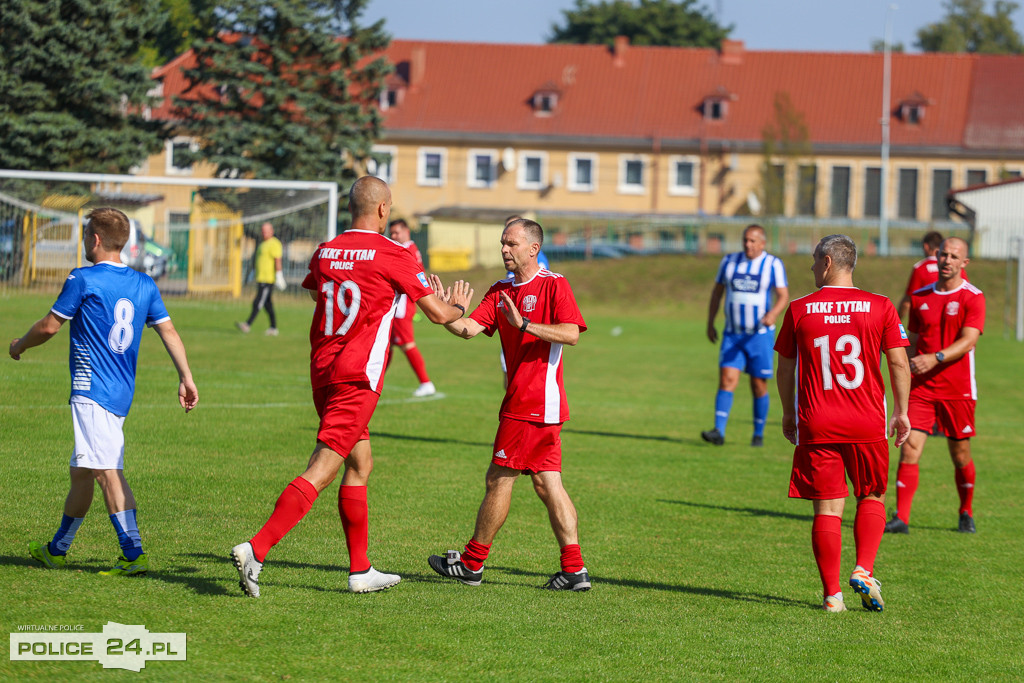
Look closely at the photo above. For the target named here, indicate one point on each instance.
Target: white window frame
(471, 157)
(574, 185)
(521, 182)
(421, 166)
(624, 160)
(169, 167)
(372, 166)
(675, 190)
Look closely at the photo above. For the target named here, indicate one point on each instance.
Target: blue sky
(805, 25)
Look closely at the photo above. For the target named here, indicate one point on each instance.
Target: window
(976, 176)
(388, 99)
(383, 166)
(942, 183)
(544, 103)
(631, 174)
(840, 205)
(682, 176)
(912, 113)
(582, 172)
(533, 171)
(174, 149)
(1011, 174)
(482, 167)
(775, 190)
(714, 109)
(907, 200)
(177, 219)
(430, 166)
(872, 192)
(807, 191)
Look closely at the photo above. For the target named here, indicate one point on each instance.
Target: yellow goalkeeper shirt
(266, 253)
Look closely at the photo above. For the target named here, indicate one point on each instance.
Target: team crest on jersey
(952, 308)
(423, 279)
(529, 303)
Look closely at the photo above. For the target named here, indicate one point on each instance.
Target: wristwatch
(940, 356)
(526, 321)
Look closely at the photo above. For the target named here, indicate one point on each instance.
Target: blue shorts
(752, 353)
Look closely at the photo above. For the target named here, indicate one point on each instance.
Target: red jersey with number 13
(535, 390)
(358, 277)
(837, 335)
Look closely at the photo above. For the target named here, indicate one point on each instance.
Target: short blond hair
(111, 225)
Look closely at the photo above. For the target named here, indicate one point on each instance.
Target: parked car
(143, 254)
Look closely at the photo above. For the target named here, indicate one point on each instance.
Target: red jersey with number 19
(837, 335)
(535, 391)
(358, 277)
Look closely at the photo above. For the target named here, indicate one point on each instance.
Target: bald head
(366, 196)
(954, 244)
(952, 257)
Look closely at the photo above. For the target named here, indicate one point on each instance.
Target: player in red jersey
(535, 315)
(401, 331)
(829, 356)
(355, 280)
(925, 272)
(946, 320)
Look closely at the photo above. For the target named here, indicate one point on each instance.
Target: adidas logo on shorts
(501, 454)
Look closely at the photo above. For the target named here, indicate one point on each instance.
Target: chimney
(732, 52)
(619, 50)
(417, 67)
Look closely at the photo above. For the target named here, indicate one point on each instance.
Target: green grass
(702, 567)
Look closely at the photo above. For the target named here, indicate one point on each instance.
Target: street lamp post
(883, 220)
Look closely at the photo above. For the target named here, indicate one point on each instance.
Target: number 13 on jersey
(349, 311)
(850, 347)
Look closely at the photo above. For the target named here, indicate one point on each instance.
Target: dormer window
(545, 99)
(912, 109)
(716, 105)
(714, 110)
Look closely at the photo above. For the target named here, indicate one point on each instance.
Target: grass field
(702, 567)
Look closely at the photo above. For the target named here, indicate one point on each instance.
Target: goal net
(192, 235)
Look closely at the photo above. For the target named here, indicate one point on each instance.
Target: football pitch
(701, 565)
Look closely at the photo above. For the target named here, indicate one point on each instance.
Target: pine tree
(286, 91)
(72, 93)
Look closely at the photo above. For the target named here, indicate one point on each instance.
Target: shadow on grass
(676, 588)
(754, 512)
(175, 574)
(643, 437)
(431, 439)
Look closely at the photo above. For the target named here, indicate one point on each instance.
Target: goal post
(194, 233)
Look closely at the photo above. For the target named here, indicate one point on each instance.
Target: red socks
(355, 520)
(293, 504)
(418, 366)
(965, 487)
(474, 555)
(827, 543)
(906, 486)
(572, 558)
(868, 527)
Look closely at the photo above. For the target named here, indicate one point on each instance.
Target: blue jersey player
(109, 306)
(747, 279)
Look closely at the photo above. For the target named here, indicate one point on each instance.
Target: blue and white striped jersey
(748, 289)
(108, 305)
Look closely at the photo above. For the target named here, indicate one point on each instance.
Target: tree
(279, 94)
(72, 92)
(785, 140)
(967, 28)
(181, 22)
(651, 22)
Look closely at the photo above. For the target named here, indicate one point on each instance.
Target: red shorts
(528, 446)
(818, 470)
(345, 410)
(401, 330)
(955, 417)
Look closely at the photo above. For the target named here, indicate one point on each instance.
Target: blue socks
(127, 533)
(760, 414)
(723, 404)
(65, 535)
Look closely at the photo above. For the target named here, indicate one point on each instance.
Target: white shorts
(99, 436)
